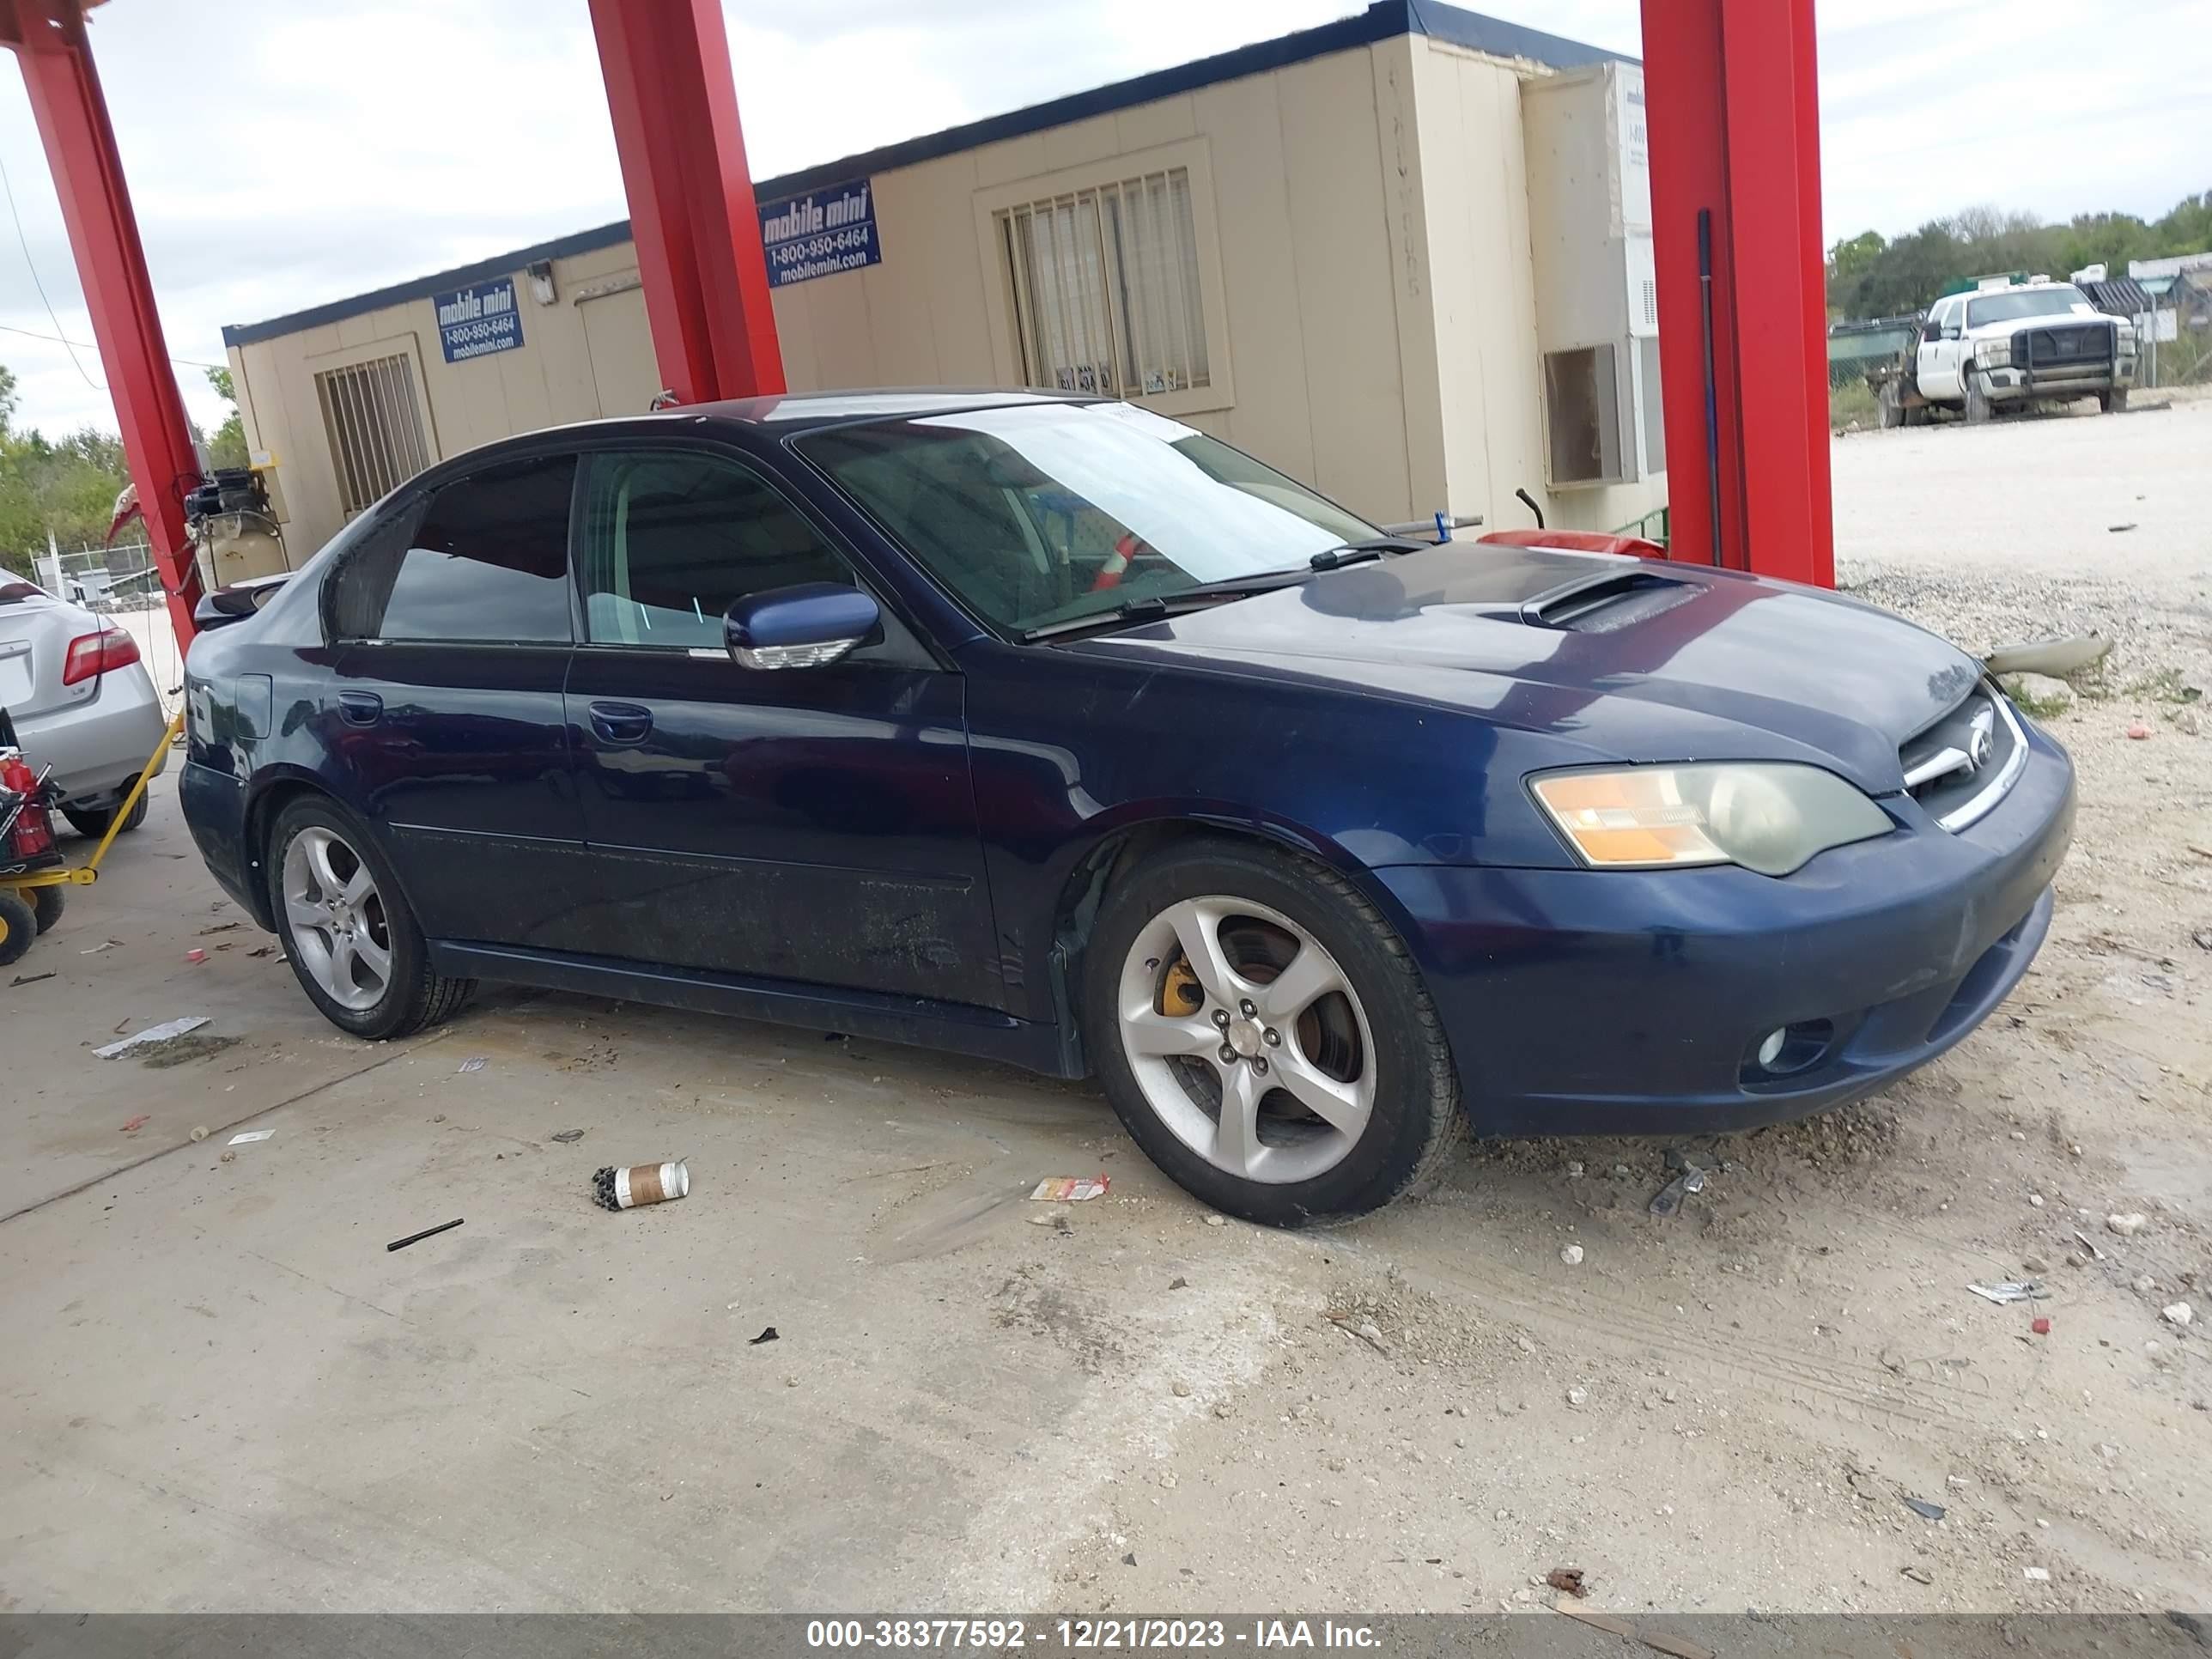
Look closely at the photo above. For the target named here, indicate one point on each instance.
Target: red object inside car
(1578, 541)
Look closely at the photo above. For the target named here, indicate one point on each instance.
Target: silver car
(80, 700)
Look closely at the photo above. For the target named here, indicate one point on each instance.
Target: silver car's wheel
(1247, 1039)
(340, 934)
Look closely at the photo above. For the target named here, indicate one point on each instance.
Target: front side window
(484, 561)
(1046, 512)
(672, 536)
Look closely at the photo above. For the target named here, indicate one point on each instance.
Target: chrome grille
(1963, 765)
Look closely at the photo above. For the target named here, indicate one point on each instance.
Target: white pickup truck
(2012, 343)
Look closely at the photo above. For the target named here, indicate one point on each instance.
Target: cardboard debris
(1068, 1189)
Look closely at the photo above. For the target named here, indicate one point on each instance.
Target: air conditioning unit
(1597, 296)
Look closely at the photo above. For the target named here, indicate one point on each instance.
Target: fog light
(1771, 1050)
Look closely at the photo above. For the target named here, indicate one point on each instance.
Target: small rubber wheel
(47, 904)
(353, 943)
(92, 823)
(1265, 1036)
(18, 927)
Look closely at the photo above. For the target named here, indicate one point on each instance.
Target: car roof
(798, 411)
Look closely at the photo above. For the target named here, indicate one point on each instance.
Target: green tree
(226, 444)
(64, 489)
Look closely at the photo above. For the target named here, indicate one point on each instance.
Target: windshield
(2013, 304)
(1048, 512)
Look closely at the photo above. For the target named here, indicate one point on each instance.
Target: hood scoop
(1608, 601)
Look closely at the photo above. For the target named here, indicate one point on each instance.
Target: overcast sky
(283, 152)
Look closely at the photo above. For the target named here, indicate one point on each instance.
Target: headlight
(1992, 351)
(1770, 818)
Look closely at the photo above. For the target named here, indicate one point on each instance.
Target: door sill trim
(923, 1022)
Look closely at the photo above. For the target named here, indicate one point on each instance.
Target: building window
(1106, 287)
(375, 420)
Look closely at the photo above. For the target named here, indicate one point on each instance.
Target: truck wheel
(1978, 400)
(2114, 402)
(1889, 406)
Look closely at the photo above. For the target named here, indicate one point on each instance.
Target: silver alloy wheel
(339, 930)
(1237, 1081)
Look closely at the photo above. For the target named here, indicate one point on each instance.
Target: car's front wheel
(1265, 1036)
(355, 945)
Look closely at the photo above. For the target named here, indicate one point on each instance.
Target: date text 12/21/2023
(1088, 1634)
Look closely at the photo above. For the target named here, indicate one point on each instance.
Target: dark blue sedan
(1047, 730)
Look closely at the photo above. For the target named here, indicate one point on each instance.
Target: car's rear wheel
(2114, 402)
(1265, 1036)
(19, 927)
(92, 822)
(354, 944)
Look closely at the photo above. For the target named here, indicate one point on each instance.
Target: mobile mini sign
(478, 320)
(820, 233)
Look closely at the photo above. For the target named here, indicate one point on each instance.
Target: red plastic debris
(2138, 731)
(196, 955)
(2040, 1326)
(136, 1124)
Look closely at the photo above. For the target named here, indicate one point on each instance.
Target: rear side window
(485, 560)
(672, 537)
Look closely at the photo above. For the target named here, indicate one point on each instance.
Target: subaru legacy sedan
(1047, 730)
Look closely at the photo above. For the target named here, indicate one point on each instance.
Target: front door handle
(621, 723)
(360, 707)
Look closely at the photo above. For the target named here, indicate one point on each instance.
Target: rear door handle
(621, 723)
(360, 707)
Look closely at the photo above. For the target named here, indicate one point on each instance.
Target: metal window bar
(372, 417)
(1106, 287)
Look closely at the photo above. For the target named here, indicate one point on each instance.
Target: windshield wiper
(1156, 607)
(1344, 553)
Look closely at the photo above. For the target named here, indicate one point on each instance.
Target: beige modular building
(1405, 256)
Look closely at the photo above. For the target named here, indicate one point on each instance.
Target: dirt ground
(224, 1393)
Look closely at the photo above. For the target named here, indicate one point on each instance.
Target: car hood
(2012, 326)
(1620, 659)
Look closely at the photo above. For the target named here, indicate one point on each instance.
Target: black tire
(19, 927)
(47, 904)
(1416, 1117)
(92, 822)
(415, 997)
(2114, 402)
(1977, 400)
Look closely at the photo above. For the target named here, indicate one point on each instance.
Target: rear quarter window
(483, 561)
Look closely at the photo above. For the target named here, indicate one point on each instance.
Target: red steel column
(675, 110)
(48, 37)
(1731, 93)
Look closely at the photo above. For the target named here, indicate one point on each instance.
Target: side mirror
(1930, 333)
(807, 626)
(237, 602)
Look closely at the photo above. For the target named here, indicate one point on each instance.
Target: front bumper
(1630, 1002)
